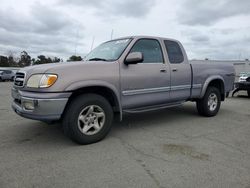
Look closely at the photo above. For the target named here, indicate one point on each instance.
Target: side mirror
(133, 58)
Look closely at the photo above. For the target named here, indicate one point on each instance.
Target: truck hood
(44, 68)
(70, 73)
(68, 68)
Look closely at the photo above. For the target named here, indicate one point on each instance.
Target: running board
(152, 108)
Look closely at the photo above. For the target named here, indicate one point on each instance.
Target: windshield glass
(108, 51)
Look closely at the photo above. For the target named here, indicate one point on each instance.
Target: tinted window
(174, 52)
(150, 49)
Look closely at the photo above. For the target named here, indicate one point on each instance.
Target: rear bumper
(44, 107)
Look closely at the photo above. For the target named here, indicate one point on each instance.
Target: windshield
(108, 51)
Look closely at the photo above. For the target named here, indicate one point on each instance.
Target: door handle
(174, 69)
(163, 70)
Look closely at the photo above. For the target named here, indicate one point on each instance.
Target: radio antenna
(93, 40)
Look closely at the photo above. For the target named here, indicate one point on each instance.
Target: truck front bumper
(39, 106)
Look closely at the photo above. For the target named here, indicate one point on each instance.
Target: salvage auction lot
(169, 148)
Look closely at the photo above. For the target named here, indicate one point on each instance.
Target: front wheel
(248, 93)
(209, 105)
(88, 118)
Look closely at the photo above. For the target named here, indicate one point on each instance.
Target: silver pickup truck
(126, 75)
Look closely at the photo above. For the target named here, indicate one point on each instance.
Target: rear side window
(174, 52)
(150, 49)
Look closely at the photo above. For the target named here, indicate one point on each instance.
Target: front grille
(19, 79)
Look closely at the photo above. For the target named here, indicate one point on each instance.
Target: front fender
(96, 83)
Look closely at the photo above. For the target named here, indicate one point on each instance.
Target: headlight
(41, 80)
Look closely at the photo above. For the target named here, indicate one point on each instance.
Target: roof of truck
(145, 36)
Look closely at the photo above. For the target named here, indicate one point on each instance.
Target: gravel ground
(168, 148)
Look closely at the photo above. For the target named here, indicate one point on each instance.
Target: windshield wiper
(97, 59)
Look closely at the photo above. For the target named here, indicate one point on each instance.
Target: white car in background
(244, 76)
(7, 75)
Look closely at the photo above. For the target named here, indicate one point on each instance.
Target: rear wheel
(248, 93)
(88, 119)
(209, 105)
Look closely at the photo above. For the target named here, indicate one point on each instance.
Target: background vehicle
(7, 75)
(244, 76)
(126, 75)
(242, 85)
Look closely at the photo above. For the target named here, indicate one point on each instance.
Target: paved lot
(170, 148)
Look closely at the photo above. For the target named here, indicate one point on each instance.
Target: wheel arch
(104, 89)
(215, 81)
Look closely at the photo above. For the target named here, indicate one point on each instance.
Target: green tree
(42, 59)
(25, 59)
(4, 61)
(75, 58)
(56, 60)
(13, 62)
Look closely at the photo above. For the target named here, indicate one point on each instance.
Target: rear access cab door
(180, 70)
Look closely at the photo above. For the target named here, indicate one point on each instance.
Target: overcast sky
(214, 29)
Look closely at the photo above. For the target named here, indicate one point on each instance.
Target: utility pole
(112, 32)
(240, 56)
(77, 35)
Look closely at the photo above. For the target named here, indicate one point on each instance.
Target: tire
(88, 119)
(12, 79)
(209, 105)
(248, 93)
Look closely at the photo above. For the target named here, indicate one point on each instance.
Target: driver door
(146, 83)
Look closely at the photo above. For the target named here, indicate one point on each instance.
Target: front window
(150, 49)
(108, 51)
